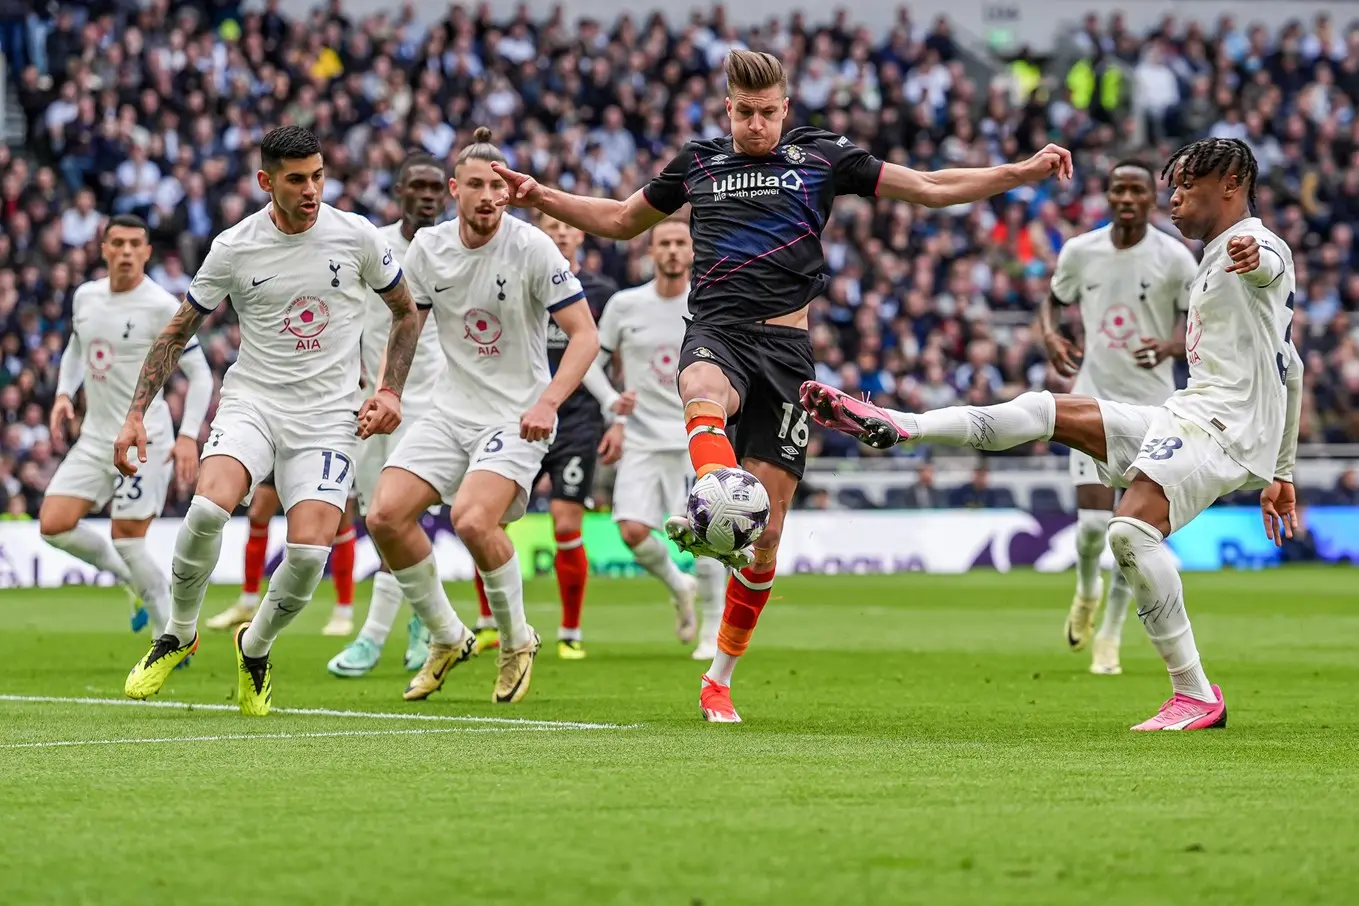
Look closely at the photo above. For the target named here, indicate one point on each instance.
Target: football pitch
(908, 739)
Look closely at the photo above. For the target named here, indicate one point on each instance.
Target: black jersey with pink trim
(757, 221)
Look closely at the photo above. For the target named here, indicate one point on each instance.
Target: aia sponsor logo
(1119, 326)
(306, 319)
(482, 328)
(1193, 333)
(665, 364)
(99, 359)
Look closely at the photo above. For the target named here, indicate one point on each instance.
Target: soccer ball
(728, 509)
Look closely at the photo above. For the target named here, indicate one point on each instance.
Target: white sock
(1092, 526)
(382, 609)
(197, 547)
(147, 580)
(505, 594)
(85, 543)
(290, 588)
(654, 557)
(722, 668)
(712, 596)
(1116, 608)
(1150, 569)
(1028, 417)
(421, 586)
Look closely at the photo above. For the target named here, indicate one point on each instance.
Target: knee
(306, 561)
(1091, 528)
(205, 517)
(634, 533)
(769, 539)
(383, 520)
(567, 518)
(52, 521)
(1129, 538)
(474, 524)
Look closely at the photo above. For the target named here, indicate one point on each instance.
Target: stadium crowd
(158, 110)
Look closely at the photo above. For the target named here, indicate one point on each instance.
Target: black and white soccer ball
(728, 509)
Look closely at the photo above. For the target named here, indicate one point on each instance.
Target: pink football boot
(1180, 712)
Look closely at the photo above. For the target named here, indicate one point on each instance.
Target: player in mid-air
(1234, 426)
(760, 200)
(114, 321)
(1131, 283)
(569, 464)
(298, 273)
(421, 188)
(643, 329)
(492, 282)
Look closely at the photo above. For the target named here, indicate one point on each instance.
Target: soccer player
(760, 201)
(114, 321)
(492, 283)
(264, 505)
(421, 188)
(1131, 282)
(1234, 426)
(298, 273)
(643, 328)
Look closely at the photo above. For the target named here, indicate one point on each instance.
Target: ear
(727, 99)
(264, 181)
(1231, 184)
(452, 186)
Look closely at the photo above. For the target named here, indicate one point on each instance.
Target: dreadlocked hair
(1219, 156)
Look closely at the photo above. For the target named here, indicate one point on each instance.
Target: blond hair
(482, 148)
(753, 71)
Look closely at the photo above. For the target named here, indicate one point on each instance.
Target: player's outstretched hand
(1245, 254)
(63, 412)
(133, 435)
(523, 191)
(379, 414)
(626, 402)
(1062, 353)
(538, 422)
(185, 455)
(611, 446)
(1279, 509)
(1052, 160)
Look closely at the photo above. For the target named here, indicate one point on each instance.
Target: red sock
(747, 593)
(342, 567)
(573, 569)
(256, 552)
(481, 598)
(709, 447)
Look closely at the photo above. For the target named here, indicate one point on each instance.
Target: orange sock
(709, 447)
(573, 571)
(485, 604)
(342, 567)
(747, 593)
(256, 553)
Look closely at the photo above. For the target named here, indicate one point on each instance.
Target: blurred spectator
(923, 495)
(977, 492)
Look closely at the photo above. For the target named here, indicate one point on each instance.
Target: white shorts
(649, 486)
(87, 473)
(1084, 470)
(311, 454)
(442, 450)
(1185, 460)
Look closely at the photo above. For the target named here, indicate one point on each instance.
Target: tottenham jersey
(113, 332)
(300, 299)
(646, 331)
(428, 363)
(1239, 347)
(1128, 298)
(491, 305)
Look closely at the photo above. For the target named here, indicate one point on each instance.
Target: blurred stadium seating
(110, 107)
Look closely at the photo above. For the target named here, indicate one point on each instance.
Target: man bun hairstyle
(287, 143)
(753, 71)
(482, 148)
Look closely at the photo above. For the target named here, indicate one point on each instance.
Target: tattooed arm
(381, 413)
(160, 363)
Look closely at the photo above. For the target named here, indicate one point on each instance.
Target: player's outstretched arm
(160, 363)
(582, 346)
(605, 217)
(942, 188)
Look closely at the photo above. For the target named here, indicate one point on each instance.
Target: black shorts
(570, 462)
(767, 366)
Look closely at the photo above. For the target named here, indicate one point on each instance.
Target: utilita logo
(753, 184)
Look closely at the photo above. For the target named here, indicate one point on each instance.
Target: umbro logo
(719, 158)
(788, 452)
(702, 352)
(255, 281)
(844, 140)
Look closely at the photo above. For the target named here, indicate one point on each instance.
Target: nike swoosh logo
(439, 674)
(254, 282)
(439, 289)
(325, 490)
(519, 682)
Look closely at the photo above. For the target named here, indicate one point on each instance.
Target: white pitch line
(234, 736)
(326, 712)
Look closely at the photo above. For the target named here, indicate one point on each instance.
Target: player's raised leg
(572, 567)
(709, 400)
(482, 504)
(394, 522)
(654, 556)
(341, 621)
(59, 522)
(1094, 507)
(263, 508)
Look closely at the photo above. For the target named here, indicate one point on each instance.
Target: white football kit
(491, 307)
(1128, 298)
(654, 474)
(111, 334)
(417, 399)
(289, 403)
(1231, 428)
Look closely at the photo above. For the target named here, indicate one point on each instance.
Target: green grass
(909, 739)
